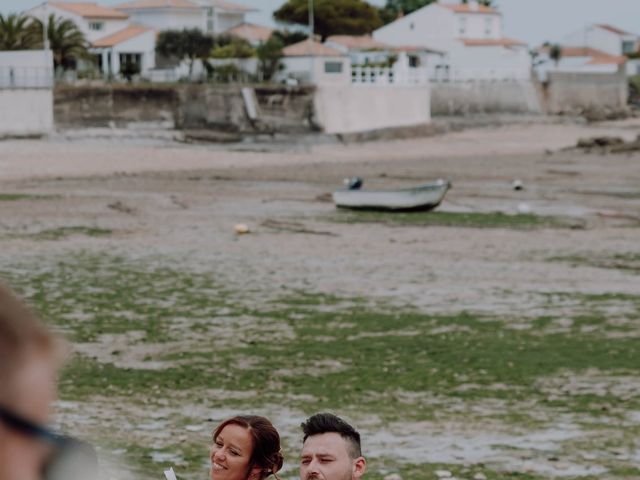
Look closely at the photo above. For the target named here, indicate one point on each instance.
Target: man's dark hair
(326, 423)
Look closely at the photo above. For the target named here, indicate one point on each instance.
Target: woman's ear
(255, 474)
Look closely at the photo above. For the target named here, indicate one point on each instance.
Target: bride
(245, 447)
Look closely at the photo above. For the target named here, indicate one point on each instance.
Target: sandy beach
(171, 205)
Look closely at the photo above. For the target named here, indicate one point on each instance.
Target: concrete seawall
(219, 107)
(483, 97)
(571, 92)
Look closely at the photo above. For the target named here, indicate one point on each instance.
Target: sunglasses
(29, 428)
(70, 459)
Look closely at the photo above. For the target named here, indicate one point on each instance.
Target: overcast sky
(533, 21)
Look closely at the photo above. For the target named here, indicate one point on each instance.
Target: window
(462, 26)
(628, 47)
(488, 26)
(332, 67)
(96, 26)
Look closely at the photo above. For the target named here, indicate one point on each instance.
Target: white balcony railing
(389, 76)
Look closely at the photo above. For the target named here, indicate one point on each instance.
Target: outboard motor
(353, 183)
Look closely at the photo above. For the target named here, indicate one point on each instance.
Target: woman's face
(230, 454)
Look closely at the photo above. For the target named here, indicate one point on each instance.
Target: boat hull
(421, 198)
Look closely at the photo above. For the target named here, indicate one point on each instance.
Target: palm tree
(66, 41)
(19, 32)
(555, 53)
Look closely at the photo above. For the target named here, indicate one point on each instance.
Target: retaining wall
(572, 92)
(482, 97)
(362, 108)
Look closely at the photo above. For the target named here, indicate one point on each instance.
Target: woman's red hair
(266, 453)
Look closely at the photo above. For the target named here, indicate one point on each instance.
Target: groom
(331, 450)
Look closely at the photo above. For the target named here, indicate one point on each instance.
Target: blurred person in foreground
(331, 449)
(29, 360)
(245, 447)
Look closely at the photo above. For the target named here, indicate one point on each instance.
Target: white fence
(26, 77)
(380, 76)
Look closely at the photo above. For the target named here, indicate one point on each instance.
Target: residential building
(312, 62)
(470, 37)
(576, 60)
(609, 40)
(605, 38)
(93, 20)
(127, 52)
(119, 46)
(252, 33)
(364, 51)
(210, 16)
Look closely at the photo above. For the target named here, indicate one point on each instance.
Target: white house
(608, 40)
(130, 50)
(365, 51)
(114, 40)
(93, 20)
(312, 62)
(577, 60)
(210, 16)
(471, 37)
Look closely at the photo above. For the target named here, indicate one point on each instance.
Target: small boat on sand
(420, 198)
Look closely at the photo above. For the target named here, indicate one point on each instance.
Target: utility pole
(311, 20)
(45, 36)
(311, 29)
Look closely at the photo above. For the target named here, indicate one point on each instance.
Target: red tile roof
(186, 4)
(148, 4)
(308, 48)
(466, 8)
(613, 29)
(251, 32)
(358, 42)
(121, 36)
(492, 42)
(90, 10)
(598, 57)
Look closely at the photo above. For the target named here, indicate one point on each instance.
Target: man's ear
(359, 468)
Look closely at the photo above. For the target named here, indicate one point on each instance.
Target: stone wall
(578, 92)
(189, 106)
(484, 97)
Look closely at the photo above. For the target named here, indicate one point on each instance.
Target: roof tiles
(90, 10)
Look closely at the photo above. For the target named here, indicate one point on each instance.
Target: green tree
(191, 44)
(555, 53)
(269, 55)
(67, 43)
(332, 17)
(228, 46)
(289, 38)
(393, 8)
(18, 32)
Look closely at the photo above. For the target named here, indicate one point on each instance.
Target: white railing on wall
(388, 76)
(26, 77)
